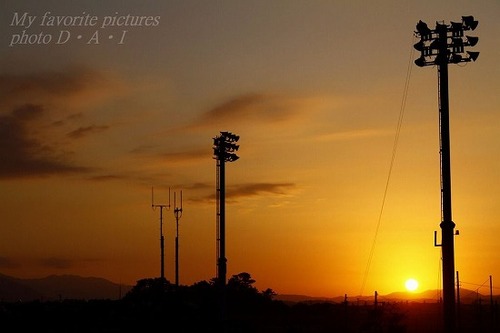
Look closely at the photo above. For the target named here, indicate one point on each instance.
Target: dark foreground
(122, 316)
(160, 307)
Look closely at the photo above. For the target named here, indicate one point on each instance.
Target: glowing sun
(411, 285)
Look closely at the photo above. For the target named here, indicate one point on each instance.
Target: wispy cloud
(108, 177)
(25, 155)
(40, 111)
(250, 106)
(254, 189)
(75, 84)
(259, 108)
(176, 157)
(186, 156)
(87, 130)
(353, 134)
(250, 190)
(199, 186)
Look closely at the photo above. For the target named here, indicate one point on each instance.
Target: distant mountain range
(430, 296)
(57, 287)
(60, 287)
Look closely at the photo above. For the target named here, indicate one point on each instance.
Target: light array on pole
(225, 147)
(446, 43)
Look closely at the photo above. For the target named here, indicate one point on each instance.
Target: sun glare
(411, 285)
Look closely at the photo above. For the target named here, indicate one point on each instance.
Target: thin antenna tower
(178, 215)
(162, 239)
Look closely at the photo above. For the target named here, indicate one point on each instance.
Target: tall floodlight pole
(224, 151)
(178, 215)
(441, 46)
(162, 240)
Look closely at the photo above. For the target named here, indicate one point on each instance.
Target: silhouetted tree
(149, 290)
(268, 293)
(242, 282)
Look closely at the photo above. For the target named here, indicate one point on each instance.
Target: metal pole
(162, 247)
(177, 214)
(177, 252)
(435, 50)
(224, 148)
(221, 260)
(222, 224)
(447, 224)
(162, 240)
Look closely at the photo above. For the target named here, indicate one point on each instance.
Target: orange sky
(314, 89)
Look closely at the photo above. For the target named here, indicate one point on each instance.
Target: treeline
(156, 305)
(153, 304)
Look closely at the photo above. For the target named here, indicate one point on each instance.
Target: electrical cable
(393, 157)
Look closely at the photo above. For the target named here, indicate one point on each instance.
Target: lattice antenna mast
(178, 215)
(162, 239)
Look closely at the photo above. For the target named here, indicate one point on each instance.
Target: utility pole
(445, 44)
(162, 239)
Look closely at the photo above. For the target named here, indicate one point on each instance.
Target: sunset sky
(314, 89)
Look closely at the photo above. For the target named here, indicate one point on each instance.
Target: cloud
(353, 134)
(40, 111)
(181, 157)
(73, 84)
(259, 108)
(254, 189)
(186, 156)
(22, 153)
(84, 131)
(199, 186)
(249, 190)
(108, 177)
(245, 107)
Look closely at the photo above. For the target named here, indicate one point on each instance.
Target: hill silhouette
(87, 305)
(429, 296)
(57, 287)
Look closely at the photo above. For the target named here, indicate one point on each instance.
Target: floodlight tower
(178, 215)
(162, 240)
(224, 151)
(441, 46)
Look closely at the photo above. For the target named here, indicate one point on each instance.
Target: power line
(479, 285)
(393, 157)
